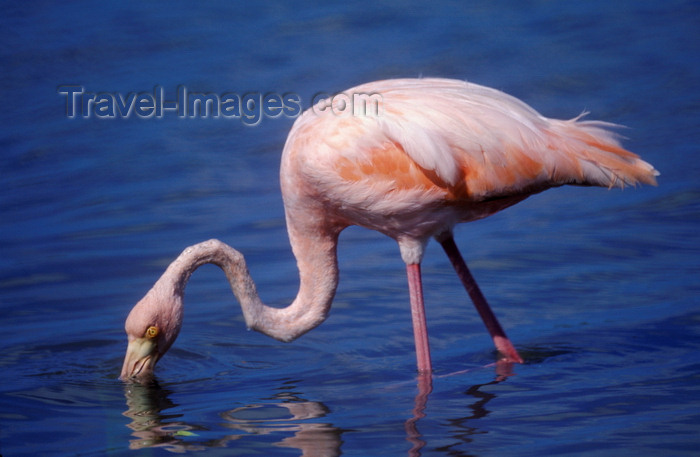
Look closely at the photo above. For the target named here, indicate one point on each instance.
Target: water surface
(598, 289)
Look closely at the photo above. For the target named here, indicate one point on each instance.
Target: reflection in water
(154, 429)
(503, 369)
(462, 428)
(312, 438)
(150, 427)
(425, 386)
(286, 413)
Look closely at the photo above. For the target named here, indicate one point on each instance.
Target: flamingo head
(151, 328)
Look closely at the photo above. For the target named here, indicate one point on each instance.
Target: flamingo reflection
(300, 421)
(151, 427)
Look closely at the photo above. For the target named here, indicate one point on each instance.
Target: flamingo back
(437, 151)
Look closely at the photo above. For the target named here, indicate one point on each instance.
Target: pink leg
(420, 329)
(503, 344)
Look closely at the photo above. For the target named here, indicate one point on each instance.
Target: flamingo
(429, 154)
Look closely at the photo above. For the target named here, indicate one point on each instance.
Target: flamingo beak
(141, 357)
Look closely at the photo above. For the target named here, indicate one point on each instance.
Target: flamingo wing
(436, 141)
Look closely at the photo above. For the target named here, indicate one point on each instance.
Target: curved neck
(318, 272)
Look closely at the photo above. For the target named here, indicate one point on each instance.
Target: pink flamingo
(428, 154)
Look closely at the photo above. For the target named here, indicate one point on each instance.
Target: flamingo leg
(420, 328)
(503, 344)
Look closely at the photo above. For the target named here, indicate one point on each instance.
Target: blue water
(597, 288)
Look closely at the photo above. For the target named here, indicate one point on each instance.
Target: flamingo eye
(152, 332)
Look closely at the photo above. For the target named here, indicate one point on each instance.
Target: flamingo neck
(318, 271)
